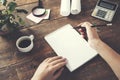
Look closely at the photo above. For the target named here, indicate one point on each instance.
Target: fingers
(83, 34)
(86, 25)
(58, 73)
(55, 63)
(50, 67)
(58, 61)
(54, 59)
(90, 32)
(59, 65)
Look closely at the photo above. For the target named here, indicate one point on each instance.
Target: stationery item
(25, 43)
(75, 7)
(38, 11)
(65, 8)
(67, 42)
(39, 19)
(94, 25)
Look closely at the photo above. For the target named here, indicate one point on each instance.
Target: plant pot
(5, 30)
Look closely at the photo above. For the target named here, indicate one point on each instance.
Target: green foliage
(11, 6)
(3, 2)
(9, 16)
(21, 11)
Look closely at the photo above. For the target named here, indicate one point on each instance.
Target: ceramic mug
(25, 43)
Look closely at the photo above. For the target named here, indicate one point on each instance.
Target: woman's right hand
(106, 52)
(92, 35)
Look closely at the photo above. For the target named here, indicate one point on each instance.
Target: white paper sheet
(65, 8)
(75, 7)
(39, 19)
(67, 42)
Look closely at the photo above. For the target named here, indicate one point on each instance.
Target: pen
(109, 24)
(94, 25)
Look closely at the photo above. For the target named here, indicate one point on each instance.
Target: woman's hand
(93, 38)
(50, 68)
(106, 52)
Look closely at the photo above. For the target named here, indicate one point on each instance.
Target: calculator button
(101, 13)
(109, 15)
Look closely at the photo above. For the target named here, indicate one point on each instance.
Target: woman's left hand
(50, 69)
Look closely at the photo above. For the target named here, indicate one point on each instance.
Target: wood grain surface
(15, 65)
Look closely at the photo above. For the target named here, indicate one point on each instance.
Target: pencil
(109, 24)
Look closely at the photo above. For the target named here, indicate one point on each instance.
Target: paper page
(39, 19)
(67, 42)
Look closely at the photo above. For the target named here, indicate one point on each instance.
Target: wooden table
(15, 65)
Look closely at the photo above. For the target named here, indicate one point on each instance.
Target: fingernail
(66, 61)
(80, 30)
(82, 33)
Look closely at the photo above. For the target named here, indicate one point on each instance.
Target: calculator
(105, 10)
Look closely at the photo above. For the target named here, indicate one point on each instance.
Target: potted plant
(10, 21)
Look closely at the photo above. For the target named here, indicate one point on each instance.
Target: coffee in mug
(25, 43)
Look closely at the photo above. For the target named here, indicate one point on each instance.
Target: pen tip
(110, 24)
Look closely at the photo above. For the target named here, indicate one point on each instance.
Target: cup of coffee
(25, 43)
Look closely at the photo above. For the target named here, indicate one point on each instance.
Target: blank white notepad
(67, 42)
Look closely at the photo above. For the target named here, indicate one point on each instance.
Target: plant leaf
(11, 16)
(4, 18)
(22, 11)
(21, 21)
(11, 6)
(3, 2)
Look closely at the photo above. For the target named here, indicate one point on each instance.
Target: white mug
(25, 43)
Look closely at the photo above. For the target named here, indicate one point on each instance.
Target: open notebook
(67, 42)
